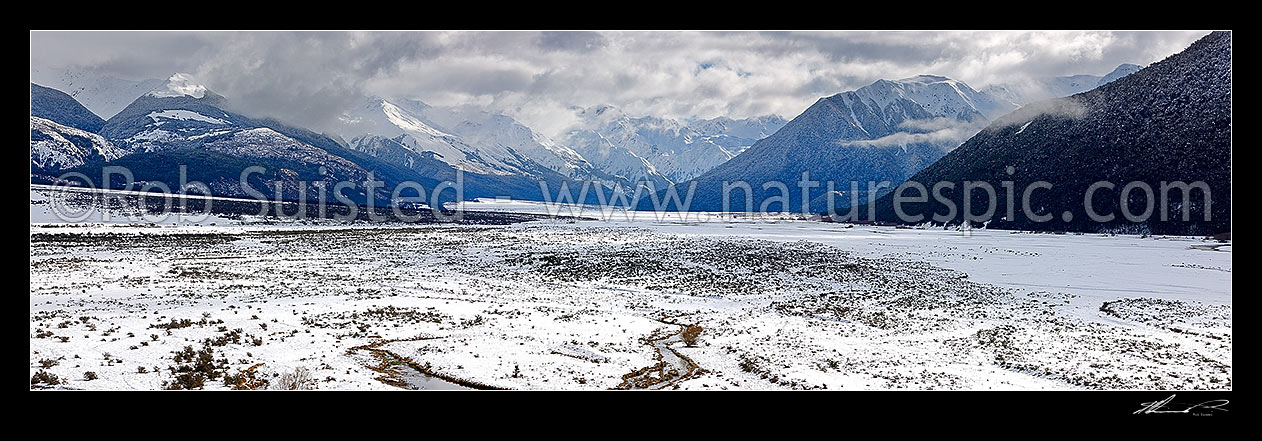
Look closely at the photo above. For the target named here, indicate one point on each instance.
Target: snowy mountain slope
(57, 147)
(499, 155)
(500, 133)
(184, 123)
(102, 94)
(62, 133)
(661, 150)
(1118, 73)
(378, 117)
(937, 95)
(161, 122)
(424, 166)
(757, 127)
(614, 158)
(264, 143)
(887, 130)
(413, 125)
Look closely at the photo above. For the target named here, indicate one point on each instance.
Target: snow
(661, 149)
(184, 115)
(607, 143)
(407, 122)
(1118, 73)
(153, 135)
(784, 303)
(1085, 264)
(180, 84)
(1023, 126)
(497, 135)
(938, 95)
(47, 209)
(383, 118)
(61, 153)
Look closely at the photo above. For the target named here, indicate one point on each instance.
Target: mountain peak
(1121, 71)
(180, 84)
(937, 95)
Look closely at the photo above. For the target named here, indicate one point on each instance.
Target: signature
(1205, 407)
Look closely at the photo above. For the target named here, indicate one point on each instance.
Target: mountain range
(885, 131)
(182, 122)
(890, 130)
(661, 150)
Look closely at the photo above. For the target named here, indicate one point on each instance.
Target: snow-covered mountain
(661, 150)
(483, 128)
(938, 96)
(757, 127)
(1118, 73)
(63, 133)
(183, 123)
(167, 118)
(57, 146)
(104, 95)
(469, 139)
(887, 130)
(1018, 94)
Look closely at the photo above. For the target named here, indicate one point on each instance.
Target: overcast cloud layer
(307, 78)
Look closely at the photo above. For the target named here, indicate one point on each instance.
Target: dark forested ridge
(1169, 122)
(55, 105)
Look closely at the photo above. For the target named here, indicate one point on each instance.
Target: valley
(598, 304)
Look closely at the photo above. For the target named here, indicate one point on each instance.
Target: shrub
(43, 378)
(246, 380)
(690, 335)
(174, 324)
(299, 379)
(192, 368)
(89, 376)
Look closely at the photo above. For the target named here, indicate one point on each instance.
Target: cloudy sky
(309, 77)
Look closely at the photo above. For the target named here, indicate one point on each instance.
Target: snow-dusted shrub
(299, 379)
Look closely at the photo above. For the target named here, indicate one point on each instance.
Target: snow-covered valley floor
(557, 304)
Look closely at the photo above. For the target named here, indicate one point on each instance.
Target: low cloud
(933, 125)
(1068, 107)
(944, 132)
